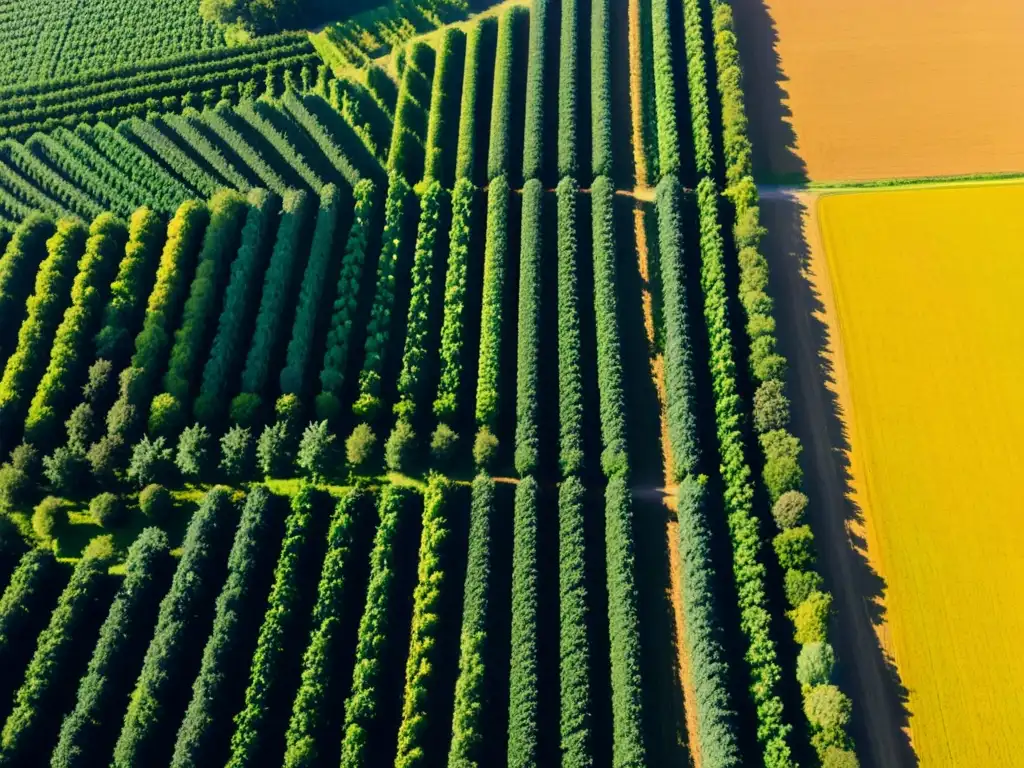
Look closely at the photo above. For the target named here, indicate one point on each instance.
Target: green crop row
(499, 153)
(21, 258)
(570, 373)
(523, 726)
(601, 87)
(533, 134)
(444, 103)
(491, 326)
(669, 157)
(527, 445)
(479, 59)
(697, 79)
(568, 88)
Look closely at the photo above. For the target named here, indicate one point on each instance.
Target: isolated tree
(193, 447)
(149, 462)
(315, 450)
(236, 452)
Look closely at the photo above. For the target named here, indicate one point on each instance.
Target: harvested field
(883, 89)
(915, 399)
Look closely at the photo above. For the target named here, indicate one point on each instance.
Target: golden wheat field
(928, 285)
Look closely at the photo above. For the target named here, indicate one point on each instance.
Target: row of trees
(669, 160)
(408, 139)
(499, 153)
(536, 77)
(568, 87)
(523, 726)
(444, 105)
(570, 373)
(492, 301)
(527, 445)
(480, 52)
(65, 196)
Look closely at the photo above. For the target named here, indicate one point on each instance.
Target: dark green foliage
(795, 548)
(360, 445)
(755, 620)
(277, 284)
(156, 704)
(528, 340)
(236, 452)
(104, 456)
(246, 410)
(261, 118)
(323, 136)
(312, 712)
(346, 293)
(49, 518)
(20, 603)
(274, 449)
(18, 264)
(408, 140)
(238, 308)
(568, 89)
(697, 79)
(601, 87)
(373, 640)
(414, 376)
(533, 134)
(400, 447)
(315, 449)
(155, 503)
(499, 154)
(200, 738)
(150, 462)
(574, 645)
(106, 510)
(276, 633)
(64, 469)
(28, 733)
(444, 103)
(623, 627)
(446, 404)
(378, 332)
(815, 664)
(570, 374)
(79, 428)
(491, 326)
(145, 134)
(14, 486)
(669, 159)
(523, 728)
(485, 449)
(193, 451)
(443, 445)
(43, 313)
(421, 681)
(166, 416)
(614, 457)
(470, 687)
(479, 56)
(311, 292)
(716, 724)
(87, 733)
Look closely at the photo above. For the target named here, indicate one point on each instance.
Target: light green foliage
(491, 326)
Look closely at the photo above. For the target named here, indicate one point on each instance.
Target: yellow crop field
(929, 285)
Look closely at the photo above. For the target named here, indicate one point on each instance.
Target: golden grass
(886, 88)
(928, 286)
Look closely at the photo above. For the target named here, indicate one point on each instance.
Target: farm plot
(879, 90)
(925, 299)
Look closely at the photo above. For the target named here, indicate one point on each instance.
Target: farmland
(334, 399)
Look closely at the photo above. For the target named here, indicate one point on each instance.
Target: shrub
(771, 407)
(327, 407)
(24, 458)
(150, 462)
(491, 326)
(105, 456)
(800, 584)
(49, 518)
(98, 381)
(63, 468)
(245, 409)
(288, 409)
(834, 757)
(107, 511)
(14, 484)
(166, 416)
(811, 618)
(360, 445)
(789, 509)
(795, 548)
(236, 452)
(827, 708)
(18, 265)
(400, 447)
(815, 663)
(79, 428)
(528, 336)
(443, 444)
(570, 374)
(155, 503)
(485, 449)
(782, 462)
(193, 449)
(274, 449)
(315, 450)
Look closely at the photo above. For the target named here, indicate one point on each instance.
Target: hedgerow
(32, 194)
(277, 283)
(300, 347)
(136, 164)
(697, 79)
(533, 133)
(199, 741)
(126, 187)
(748, 570)
(527, 445)
(491, 326)
(18, 265)
(158, 699)
(614, 456)
(53, 398)
(147, 135)
(449, 388)
(276, 635)
(568, 87)
(21, 605)
(87, 733)
(414, 375)
(37, 173)
(220, 245)
(570, 374)
(312, 713)
(321, 134)
(499, 153)
(362, 704)
(53, 154)
(256, 115)
(669, 158)
(346, 293)
(468, 721)
(28, 733)
(135, 275)
(186, 126)
(43, 311)
(238, 308)
(574, 644)
(735, 138)
(406, 156)
(444, 103)
(523, 727)
(601, 88)
(421, 683)
(628, 750)
(479, 57)
(378, 332)
(216, 120)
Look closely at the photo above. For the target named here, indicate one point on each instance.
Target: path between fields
(804, 302)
